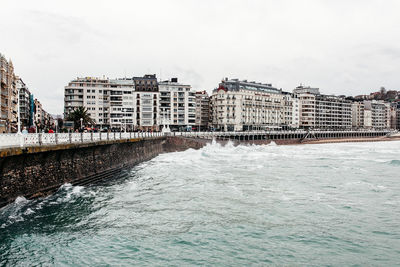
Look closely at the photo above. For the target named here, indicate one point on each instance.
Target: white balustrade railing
(37, 139)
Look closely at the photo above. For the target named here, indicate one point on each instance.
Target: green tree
(77, 114)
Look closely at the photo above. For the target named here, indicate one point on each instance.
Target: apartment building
(8, 96)
(202, 110)
(242, 105)
(332, 112)
(91, 93)
(25, 111)
(357, 115)
(39, 119)
(147, 102)
(393, 116)
(291, 111)
(397, 115)
(121, 104)
(377, 114)
(118, 104)
(109, 102)
(307, 107)
(323, 111)
(177, 105)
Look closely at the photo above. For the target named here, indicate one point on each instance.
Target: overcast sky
(341, 46)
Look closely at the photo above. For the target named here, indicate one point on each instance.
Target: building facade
(323, 111)
(202, 110)
(118, 104)
(332, 112)
(147, 102)
(24, 104)
(177, 105)
(91, 93)
(121, 105)
(379, 113)
(291, 111)
(357, 115)
(9, 96)
(39, 119)
(397, 115)
(242, 106)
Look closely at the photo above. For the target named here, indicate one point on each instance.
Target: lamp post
(19, 113)
(81, 123)
(124, 117)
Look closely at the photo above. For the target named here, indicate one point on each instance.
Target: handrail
(38, 139)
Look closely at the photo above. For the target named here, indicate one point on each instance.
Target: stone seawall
(37, 171)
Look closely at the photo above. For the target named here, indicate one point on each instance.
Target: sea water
(325, 204)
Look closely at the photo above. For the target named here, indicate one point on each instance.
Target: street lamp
(81, 123)
(19, 114)
(124, 117)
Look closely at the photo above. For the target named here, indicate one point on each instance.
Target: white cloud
(343, 47)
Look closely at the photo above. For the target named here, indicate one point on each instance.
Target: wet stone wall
(36, 172)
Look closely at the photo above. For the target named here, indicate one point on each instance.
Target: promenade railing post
(108, 136)
(81, 137)
(91, 136)
(40, 138)
(70, 137)
(56, 137)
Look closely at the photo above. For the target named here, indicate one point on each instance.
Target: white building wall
(238, 110)
(177, 104)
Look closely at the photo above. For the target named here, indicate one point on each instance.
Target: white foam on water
(20, 200)
(29, 211)
(68, 192)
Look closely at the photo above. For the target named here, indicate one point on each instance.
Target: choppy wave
(336, 204)
(395, 162)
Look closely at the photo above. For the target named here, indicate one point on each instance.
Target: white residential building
(291, 111)
(323, 111)
(91, 93)
(377, 114)
(357, 115)
(120, 104)
(242, 105)
(177, 105)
